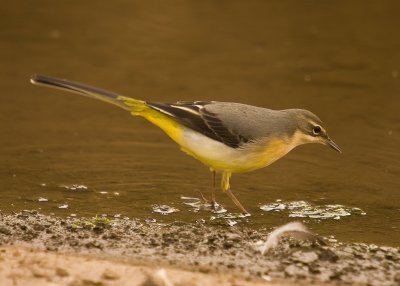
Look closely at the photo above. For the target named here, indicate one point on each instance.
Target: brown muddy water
(66, 154)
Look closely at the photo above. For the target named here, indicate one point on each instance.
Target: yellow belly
(250, 158)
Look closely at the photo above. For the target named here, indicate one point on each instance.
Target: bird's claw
(212, 203)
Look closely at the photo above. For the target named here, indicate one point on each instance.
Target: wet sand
(129, 249)
(33, 267)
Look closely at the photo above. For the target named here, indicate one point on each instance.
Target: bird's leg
(213, 175)
(236, 201)
(226, 189)
(203, 198)
(206, 201)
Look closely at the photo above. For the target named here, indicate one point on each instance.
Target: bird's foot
(211, 204)
(206, 201)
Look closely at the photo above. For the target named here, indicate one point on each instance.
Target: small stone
(266, 278)
(113, 235)
(328, 255)
(227, 244)
(373, 248)
(38, 227)
(385, 248)
(110, 275)
(62, 272)
(204, 269)
(324, 274)
(5, 230)
(233, 236)
(296, 271)
(397, 277)
(88, 282)
(360, 278)
(39, 273)
(348, 249)
(305, 257)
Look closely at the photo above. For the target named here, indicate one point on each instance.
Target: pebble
(304, 257)
(110, 275)
(5, 230)
(296, 271)
(62, 272)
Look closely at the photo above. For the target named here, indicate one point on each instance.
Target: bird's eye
(316, 130)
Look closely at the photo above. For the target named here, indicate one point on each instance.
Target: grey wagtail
(225, 136)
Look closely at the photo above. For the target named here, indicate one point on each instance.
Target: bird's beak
(328, 141)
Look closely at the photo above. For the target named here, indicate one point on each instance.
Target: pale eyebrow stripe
(316, 124)
(313, 123)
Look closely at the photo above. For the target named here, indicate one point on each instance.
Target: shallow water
(340, 60)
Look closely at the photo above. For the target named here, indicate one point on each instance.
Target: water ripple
(164, 209)
(302, 209)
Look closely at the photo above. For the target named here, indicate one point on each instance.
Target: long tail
(132, 105)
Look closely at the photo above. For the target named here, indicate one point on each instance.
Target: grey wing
(194, 115)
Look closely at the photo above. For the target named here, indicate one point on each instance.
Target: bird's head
(310, 129)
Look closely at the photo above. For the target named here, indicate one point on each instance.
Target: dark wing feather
(225, 135)
(195, 116)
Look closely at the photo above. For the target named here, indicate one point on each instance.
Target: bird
(227, 137)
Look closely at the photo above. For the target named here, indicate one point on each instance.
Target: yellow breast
(261, 155)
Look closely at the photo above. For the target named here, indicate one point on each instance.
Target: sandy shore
(44, 249)
(26, 266)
